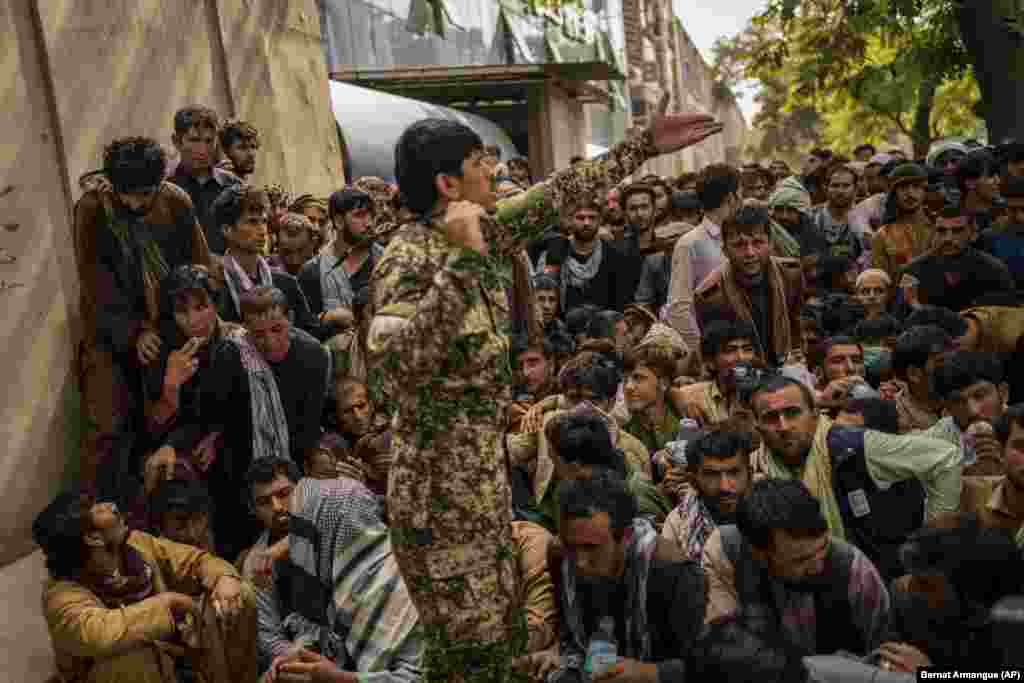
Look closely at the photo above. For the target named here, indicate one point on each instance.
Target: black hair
(718, 333)
(831, 266)
(426, 149)
(746, 217)
(961, 369)
(235, 130)
(715, 183)
(181, 495)
(347, 199)
(184, 278)
(134, 163)
(874, 329)
(830, 343)
(521, 343)
(879, 414)
(602, 325)
(953, 324)
(585, 439)
(262, 300)
(544, 281)
(720, 444)
(195, 116)
(739, 649)
(839, 314)
(266, 470)
(594, 370)
(977, 164)
(604, 492)
(58, 530)
(778, 504)
(234, 202)
(865, 145)
(916, 345)
(578, 319)
(776, 383)
(1013, 415)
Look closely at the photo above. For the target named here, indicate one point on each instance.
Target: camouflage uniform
(439, 334)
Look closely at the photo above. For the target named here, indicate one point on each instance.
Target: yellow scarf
(816, 475)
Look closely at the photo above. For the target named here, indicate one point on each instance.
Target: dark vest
(833, 612)
(877, 521)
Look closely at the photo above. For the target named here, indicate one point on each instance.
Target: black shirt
(302, 379)
(607, 289)
(301, 316)
(202, 198)
(957, 282)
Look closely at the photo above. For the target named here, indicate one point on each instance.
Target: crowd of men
(440, 430)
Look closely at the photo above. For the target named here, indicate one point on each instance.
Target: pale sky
(706, 20)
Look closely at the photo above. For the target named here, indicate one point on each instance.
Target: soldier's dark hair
(715, 183)
(916, 345)
(58, 530)
(348, 199)
(602, 325)
(953, 324)
(961, 369)
(237, 201)
(780, 382)
(584, 439)
(878, 413)
(604, 492)
(195, 117)
(263, 300)
(1014, 415)
(778, 505)
(426, 149)
(718, 333)
(266, 470)
(235, 130)
(134, 164)
(725, 440)
(180, 495)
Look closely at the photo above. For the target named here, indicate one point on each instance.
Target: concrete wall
(79, 73)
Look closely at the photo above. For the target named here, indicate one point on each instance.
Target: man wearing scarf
(719, 464)
(131, 229)
(614, 565)
(241, 214)
(125, 606)
(780, 569)
(788, 206)
(439, 329)
(906, 231)
(799, 443)
(753, 285)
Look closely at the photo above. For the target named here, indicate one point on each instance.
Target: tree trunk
(998, 57)
(921, 133)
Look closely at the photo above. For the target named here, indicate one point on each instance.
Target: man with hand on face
(842, 371)
(127, 208)
(916, 353)
(300, 365)
(719, 466)
(126, 606)
(335, 276)
(780, 565)
(615, 566)
(753, 285)
(195, 137)
(954, 274)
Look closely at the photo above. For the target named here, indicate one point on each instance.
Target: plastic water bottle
(603, 650)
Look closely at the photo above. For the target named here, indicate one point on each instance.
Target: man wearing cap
(906, 234)
(127, 208)
(953, 273)
(1007, 244)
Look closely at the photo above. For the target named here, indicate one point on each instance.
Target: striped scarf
(269, 422)
(779, 313)
(239, 282)
(639, 554)
(348, 593)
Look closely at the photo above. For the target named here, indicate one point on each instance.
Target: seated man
(300, 365)
(181, 511)
(999, 502)
(719, 466)
(650, 370)
(614, 565)
(363, 433)
(123, 605)
(779, 564)
(973, 391)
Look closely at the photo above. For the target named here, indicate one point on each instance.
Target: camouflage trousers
(467, 601)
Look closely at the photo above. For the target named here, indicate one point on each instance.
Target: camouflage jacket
(439, 337)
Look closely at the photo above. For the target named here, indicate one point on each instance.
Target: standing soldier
(439, 333)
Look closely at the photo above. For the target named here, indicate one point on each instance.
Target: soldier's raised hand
(673, 132)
